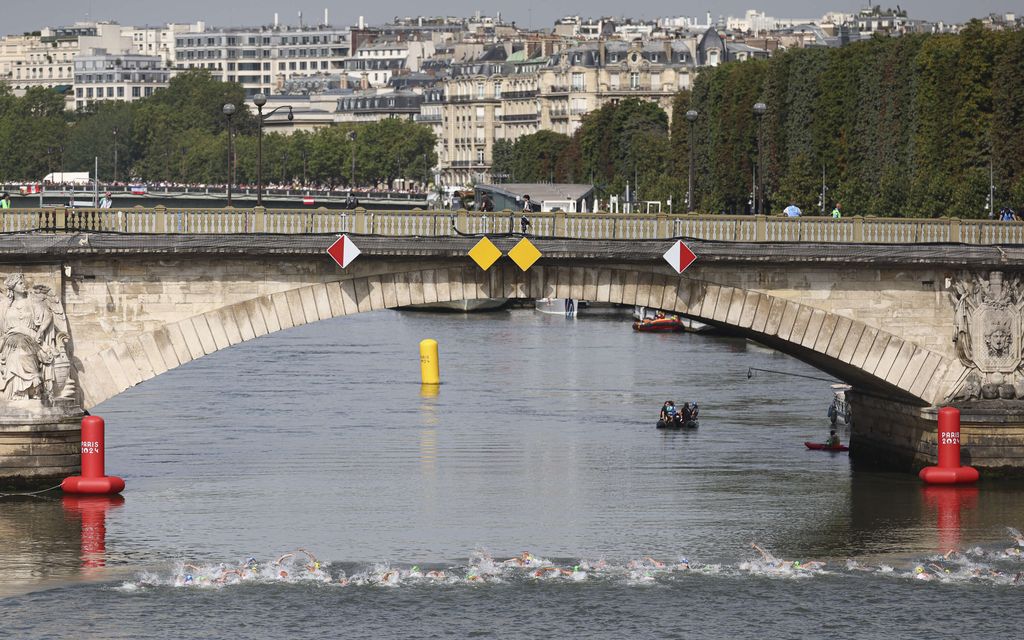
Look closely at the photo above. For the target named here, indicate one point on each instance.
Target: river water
(541, 439)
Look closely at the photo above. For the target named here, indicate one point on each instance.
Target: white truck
(75, 178)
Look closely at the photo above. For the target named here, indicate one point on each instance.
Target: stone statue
(988, 334)
(34, 362)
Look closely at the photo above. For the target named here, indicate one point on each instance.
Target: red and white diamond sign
(343, 251)
(680, 256)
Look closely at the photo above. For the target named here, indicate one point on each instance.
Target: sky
(18, 16)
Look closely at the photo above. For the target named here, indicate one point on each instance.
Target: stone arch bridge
(880, 317)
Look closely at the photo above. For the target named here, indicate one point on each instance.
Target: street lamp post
(352, 178)
(115, 153)
(759, 110)
(229, 110)
(259, 100)
(691, 116)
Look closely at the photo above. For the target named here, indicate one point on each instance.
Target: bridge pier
(901, 436)
(37, 452)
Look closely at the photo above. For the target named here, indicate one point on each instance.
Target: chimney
(362, 23)
(601, 52)
(326, 19)
(668, 52)
(275, 20)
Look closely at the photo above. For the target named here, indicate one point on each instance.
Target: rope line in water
(29, 493)
(750, 374)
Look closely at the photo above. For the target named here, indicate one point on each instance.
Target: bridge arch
(867, 356)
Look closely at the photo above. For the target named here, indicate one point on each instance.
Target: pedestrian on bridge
(524, 221)
(837, 212)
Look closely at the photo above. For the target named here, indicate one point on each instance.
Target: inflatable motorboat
(673, 424)
(659, 325)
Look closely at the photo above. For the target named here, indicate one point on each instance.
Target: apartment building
(494, 97)
(263, 59)
(372, 105)
(375, 64)
(46, 58)
(159, 41)
(584, 78)
(102, 76)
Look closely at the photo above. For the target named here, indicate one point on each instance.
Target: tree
(501, 160)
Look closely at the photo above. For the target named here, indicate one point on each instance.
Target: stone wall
(33, 454)
(897, 435)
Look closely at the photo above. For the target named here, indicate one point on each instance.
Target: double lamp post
(260, 100)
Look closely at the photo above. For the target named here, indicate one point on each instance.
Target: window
(479, 156)
(135, 92)
(634, 80)
(578, 82)
(479, 90)
(497, 88)
(614, 81)
(656, 82)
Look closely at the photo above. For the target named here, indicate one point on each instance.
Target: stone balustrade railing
(593, 226)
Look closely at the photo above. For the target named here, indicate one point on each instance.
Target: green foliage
(539, 158)
(900, 126)
(180, 134)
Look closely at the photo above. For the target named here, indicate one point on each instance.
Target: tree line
(893, 126)
(180, 134)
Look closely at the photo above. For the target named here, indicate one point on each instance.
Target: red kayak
(659, 325)
(817, 446)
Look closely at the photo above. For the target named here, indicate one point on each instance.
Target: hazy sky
(18, 16)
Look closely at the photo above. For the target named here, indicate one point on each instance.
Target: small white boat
(568, 307)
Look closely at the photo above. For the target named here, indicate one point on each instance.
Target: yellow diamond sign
(484, 253)
(524, 254)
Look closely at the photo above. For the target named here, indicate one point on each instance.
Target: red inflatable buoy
(92, 481)
(949, 471)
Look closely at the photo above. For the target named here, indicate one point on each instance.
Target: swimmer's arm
(287, 555)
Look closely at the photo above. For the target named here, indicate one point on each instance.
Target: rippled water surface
(541, 439)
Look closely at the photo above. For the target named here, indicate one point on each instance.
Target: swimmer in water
(314, 565)
(785, 565)
(543, 571)
(770, 559)
(281, 559)
(522, 560)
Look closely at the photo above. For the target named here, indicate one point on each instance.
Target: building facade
(101, 76)
(262, 60)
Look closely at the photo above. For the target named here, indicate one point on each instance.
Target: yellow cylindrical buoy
(429, 367)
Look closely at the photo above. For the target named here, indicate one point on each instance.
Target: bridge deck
(61, 245)
(594, 226)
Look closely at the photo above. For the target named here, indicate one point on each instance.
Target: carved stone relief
(988, 335)
(35, 367)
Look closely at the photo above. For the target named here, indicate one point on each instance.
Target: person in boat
(669, 414)
(833, 440)
(686, 414)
